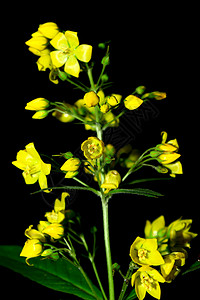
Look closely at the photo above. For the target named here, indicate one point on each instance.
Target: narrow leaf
(192, 268)
(139, 192)
(60, 275)
(146, 180)
(69, 188)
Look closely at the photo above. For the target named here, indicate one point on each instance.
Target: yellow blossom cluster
(51, 229)
(166, 154)
(162, 247)
(58, 49)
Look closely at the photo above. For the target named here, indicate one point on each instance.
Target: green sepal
(61, 275)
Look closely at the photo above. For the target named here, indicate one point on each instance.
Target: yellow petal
(30, 148)
(154, 259)
(155, 291)
(72, 39)
(72, 66)
(176, 168)
(60, 42)
(140, 289)
(43, 181)
(84, 53)
(157, 224)
(58, 58)
(30, 179)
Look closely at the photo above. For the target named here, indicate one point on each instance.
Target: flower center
(92, 148)
(142, 254)
(147, 281)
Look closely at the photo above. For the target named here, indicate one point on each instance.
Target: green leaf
(192, 268)
(139, 192)
(61, 275)
(132, 295)
(147, 179)
(69, 188)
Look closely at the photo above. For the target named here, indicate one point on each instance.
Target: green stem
(103, 198)
(107, 249)
(91, 258)
(98, 279)
(89, 72)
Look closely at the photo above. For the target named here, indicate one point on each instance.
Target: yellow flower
(71, 166)
(179, 234)
(112, 181)
(144, 252)
(69, 52)
(37, 104)
(34, 234)
(146, 279)
(93, 148)
(49, 30)
(169, 269)
(55, 230)
(132, 102)
(32, 248)
(58, 214)
(34, 168)
(91, 99)
(175, 168)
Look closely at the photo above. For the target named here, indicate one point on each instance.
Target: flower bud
(37, 104)
(41, 114)
(132, 102)
(32, 248)
(91, 99)
(112, 181)
(49, 30)
(37, 42)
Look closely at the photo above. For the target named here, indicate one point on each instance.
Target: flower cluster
(37, 243)
(166, 154)
(58, 49)
(163, 247)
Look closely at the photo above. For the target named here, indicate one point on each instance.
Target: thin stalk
(98, 279)
(107, 249)
(126, 281)
(80, 181)
(89, 72)
(91, 258)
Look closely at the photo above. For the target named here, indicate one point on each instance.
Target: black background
(155, 46)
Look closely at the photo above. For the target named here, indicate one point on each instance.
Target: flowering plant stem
(104, 199)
